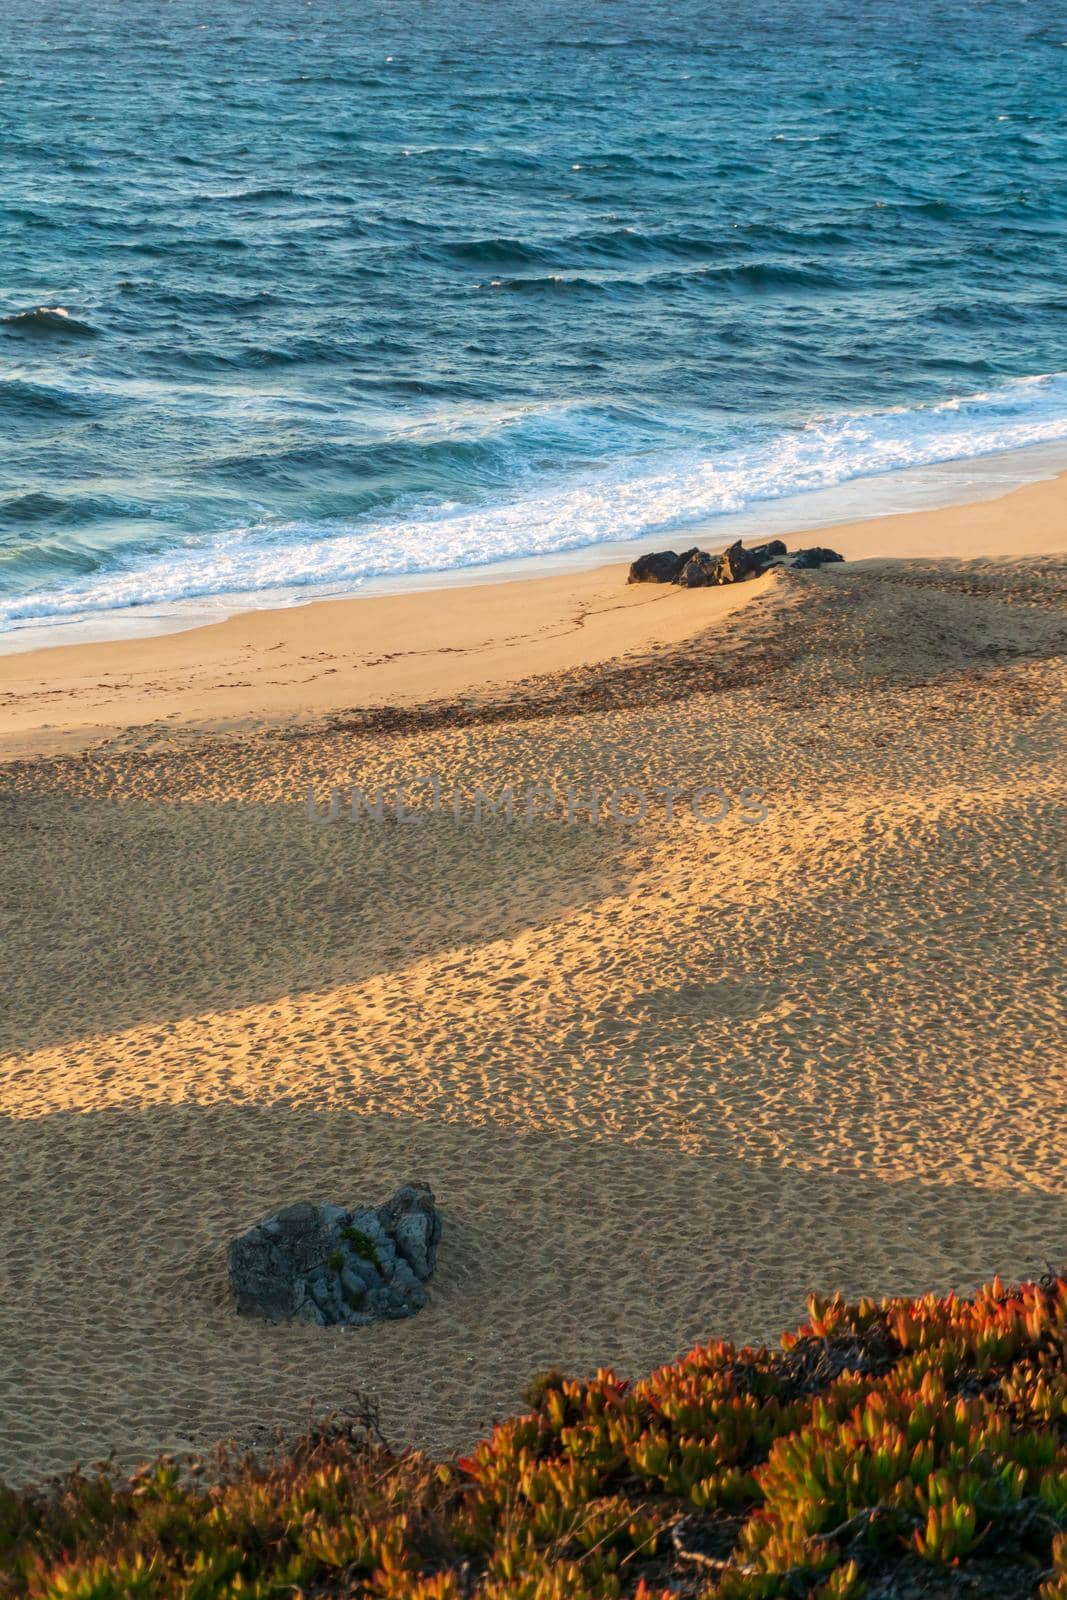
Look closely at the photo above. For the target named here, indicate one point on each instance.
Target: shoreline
(945, 485)
(270, 668)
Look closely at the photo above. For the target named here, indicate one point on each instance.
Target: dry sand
(664, 1078)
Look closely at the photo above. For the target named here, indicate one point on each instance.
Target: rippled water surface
(297, 294)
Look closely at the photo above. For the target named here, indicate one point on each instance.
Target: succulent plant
(925, 1430)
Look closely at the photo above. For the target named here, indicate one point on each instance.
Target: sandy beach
(664, 1077)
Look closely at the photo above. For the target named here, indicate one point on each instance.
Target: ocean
(296, 296)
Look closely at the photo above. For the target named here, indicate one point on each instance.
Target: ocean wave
(48, 320)
(753, 278)
(256, 194)
(495, 252)
(647, 493)
(622, 243)
(974, 313)
(19, 398)
(564, 251)
(75, 510)
(766, 275)
(31, 508)
(55, 559)
(565, 254)
(552, 283)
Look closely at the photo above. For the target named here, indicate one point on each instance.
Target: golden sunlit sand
(664, 1078)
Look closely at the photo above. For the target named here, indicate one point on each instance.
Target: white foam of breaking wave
(625, 499)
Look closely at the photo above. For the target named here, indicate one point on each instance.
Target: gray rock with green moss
(323, 1264)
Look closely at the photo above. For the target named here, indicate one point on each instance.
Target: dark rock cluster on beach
(697, 569)
(321, 1263)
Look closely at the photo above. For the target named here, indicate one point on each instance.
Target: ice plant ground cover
(894, 1449)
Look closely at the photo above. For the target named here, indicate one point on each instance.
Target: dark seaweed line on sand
(679, 673)
(712, 662)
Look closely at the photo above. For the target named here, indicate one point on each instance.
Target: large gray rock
(321, 1263)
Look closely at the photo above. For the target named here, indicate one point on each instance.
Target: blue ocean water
(297, 294)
